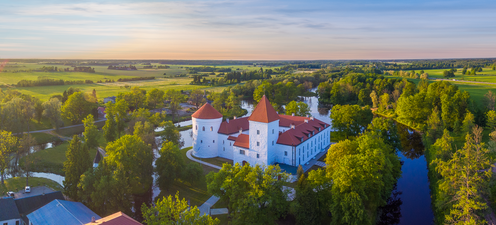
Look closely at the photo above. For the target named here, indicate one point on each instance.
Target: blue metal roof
(62, 212)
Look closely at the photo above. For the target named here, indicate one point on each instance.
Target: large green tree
(170, 133)
(169, 165)
(350, 120)
(51, 110)
(77, 107)
(305, 202)
(7, 146)
(78, 161)
(298, 108)
(255, 195)
(90, 132)
(175, 211)
(155, 98)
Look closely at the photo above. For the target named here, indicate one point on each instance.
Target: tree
(77, 107)
(465, 179)
(193, 173)
(7, 145)
(78, 162)
(196, 97)
(254, 194)
(170, 133)
(146, 131)
(494, 66)
(175, 211)
(110, 127)
(120, 113)
(90, 132)
(175, 98)
(298, 108)
(364, 172)
(350, 120)
(375, 99)
(305, 201)
(136, 98)
(468, 123)
(384, 102)
(26, 142)
(169, 165)
(38, 109)
(155, 98)
(434, 126)
(51, 110)
(489, 100)
(491, 119)
(134, 159)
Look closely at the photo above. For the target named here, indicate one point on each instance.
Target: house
(101, 111)
(62, 212)
(263, 138)
(118, 218)
(29, 204)
(97, 159)
(109, 99)
(9, 215)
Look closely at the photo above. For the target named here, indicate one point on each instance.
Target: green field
(18, 183)
(487, 75)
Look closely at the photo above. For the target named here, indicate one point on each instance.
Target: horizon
(248, 30)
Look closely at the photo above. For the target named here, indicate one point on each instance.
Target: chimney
(292, 114)
(235, 117)
(306, 121)
(308, 115)
(311, 118)
(92, 219)
(227, 120)
(240, 130)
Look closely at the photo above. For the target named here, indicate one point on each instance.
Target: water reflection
(391, 213)
(411, 142)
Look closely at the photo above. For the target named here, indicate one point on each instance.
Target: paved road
(188, 154)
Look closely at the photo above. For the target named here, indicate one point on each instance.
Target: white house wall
(205, 142)
(225, 147)
(11, 222)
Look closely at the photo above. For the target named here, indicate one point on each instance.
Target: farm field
(487, 75)
(477, 91)
(9, 77)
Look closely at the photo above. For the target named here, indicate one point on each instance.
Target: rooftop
(233, 126)
(62, 212)
(264, 112)
(29, 204)
(8, 209)
(117, 218)
(301, 131)
(207, 111)
(243, 141)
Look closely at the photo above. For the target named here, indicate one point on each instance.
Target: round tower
(206, 122)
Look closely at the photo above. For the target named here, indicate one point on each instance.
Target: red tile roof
(232, 138)
(287, 120)
(234, 125)
(243, 141)
(117, 218)
(264, 112)
(207, 112)
(293, 137)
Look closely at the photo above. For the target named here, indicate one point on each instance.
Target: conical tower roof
(207, 111)
(264, 112)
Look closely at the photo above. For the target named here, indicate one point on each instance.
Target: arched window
(203, 128)
(211, 128)
(196, 127)
(272, 131)
(213, 141)
(201, 141)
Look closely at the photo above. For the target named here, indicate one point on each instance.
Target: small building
(97, 159)
(117, 218)
(109, 99)
(101, 111)
(62, 212)
(9, 215)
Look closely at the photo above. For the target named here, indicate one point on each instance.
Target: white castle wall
(205, 137)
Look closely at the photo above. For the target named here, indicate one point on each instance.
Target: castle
(265, 137)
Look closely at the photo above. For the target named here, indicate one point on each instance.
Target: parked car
(27, 189)
(10, 194)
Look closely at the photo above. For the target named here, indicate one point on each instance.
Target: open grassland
(477, 91)
(18, 183)
(487, 75)
(7, 77)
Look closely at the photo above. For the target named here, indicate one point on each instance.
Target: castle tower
(206, 122)
(264, 132)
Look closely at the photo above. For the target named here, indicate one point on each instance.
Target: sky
(248, 30)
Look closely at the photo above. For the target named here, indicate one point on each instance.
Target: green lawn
(18, 183)
(196, 193)
(487, 75)
(42, 138)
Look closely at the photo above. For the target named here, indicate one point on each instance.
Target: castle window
(272, 131)
(272, 142)
(211, 128)
(224, 148)
(223, 142)
(258, 156)
(230, 144)
(203, 128)
(258, 143)
(201, 141)
(258, 131)
(196, 127)
(241, 152)
(213, 141)
(308, 154)
(285, 153)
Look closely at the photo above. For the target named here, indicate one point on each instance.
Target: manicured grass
(218, 161)
(196, 193)
(42, 138)
(18, 183)
(224, 220)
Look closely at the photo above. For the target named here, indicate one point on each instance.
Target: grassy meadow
(18, 183)
(164, 82)
(487, 75)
